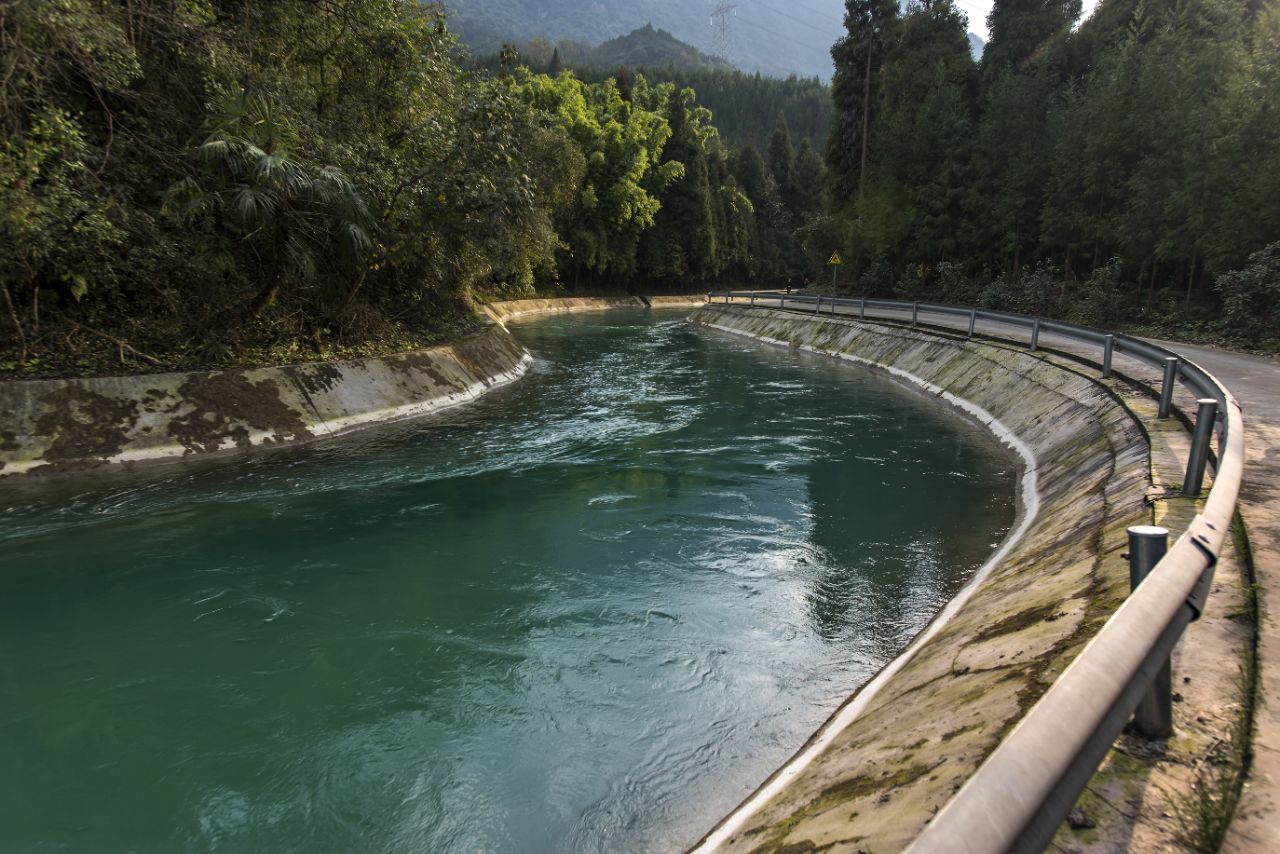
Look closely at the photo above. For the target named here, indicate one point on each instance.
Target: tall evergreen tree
(1020, 29)
(782, 160)
(927, 86)
(858, 56)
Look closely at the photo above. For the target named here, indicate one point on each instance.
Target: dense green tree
(683, 242)
(870, 27)
(914, 213)
(620, 144)
(782, 161)
(1133, 161)
(1021, 31)
(808, 174)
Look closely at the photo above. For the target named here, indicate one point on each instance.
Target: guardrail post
(915, 312)
(753, 298)
(726, 297)
(1154, 716)
(1206, 417)
(862, 309)
(818, 310)
(1108, 347)
(1035, 335)
(1166, 390)
(973, 320)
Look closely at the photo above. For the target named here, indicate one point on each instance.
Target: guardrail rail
(1021, 794)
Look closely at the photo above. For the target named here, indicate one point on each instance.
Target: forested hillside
(746, 107)
(645, 47)
(776, 38)
(226, 182)
(1125, 171)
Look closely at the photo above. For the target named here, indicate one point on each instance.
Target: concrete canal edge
(69, 425)
(897, 750)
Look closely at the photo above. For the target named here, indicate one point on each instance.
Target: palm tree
(288, 213)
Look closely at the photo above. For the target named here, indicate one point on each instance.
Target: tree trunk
(351, 294)
(866, 122)
(17, 324)
(1191, 275)
(1094, 269)
(275, 278)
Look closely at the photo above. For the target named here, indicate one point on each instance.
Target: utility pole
(721, 19)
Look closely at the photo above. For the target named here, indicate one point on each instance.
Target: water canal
(589, 613)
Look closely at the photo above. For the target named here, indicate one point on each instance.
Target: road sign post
(835, 263)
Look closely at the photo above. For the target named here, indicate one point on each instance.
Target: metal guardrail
(1019, 797)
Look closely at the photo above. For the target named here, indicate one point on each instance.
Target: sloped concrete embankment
(511, 309)
(899, 748)
(61, 425)
(70, 425)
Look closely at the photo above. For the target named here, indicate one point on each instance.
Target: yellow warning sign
(835, 258)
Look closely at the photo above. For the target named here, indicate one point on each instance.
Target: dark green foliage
(1021, 31)
(196, 182)
(859, 59)
(647, 47)
(782, 161)
(746, 107)
(1251, 297)
(1136, 159)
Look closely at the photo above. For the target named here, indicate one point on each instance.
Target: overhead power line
(789, 16)
(776, 35)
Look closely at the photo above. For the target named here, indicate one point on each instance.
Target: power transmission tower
(721, 20)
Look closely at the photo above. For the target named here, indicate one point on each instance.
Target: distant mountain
(976, 46)
(775, 39)
(647, 47)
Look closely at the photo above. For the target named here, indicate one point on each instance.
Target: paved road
(1255, 381)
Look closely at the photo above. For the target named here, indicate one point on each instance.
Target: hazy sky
(977, 11)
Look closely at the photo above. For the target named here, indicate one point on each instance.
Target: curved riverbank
(62, 425)
(72, 425)
(571, 616)
(902, 745)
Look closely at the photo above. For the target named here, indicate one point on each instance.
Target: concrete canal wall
(902, 745)
(49, 426)
(61, 425)
(511, 309)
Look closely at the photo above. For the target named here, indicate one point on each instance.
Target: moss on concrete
(70, 425)
(970, 682)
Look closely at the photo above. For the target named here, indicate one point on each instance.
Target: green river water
(590, 612)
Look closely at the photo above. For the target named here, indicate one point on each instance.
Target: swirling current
(590, 612)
